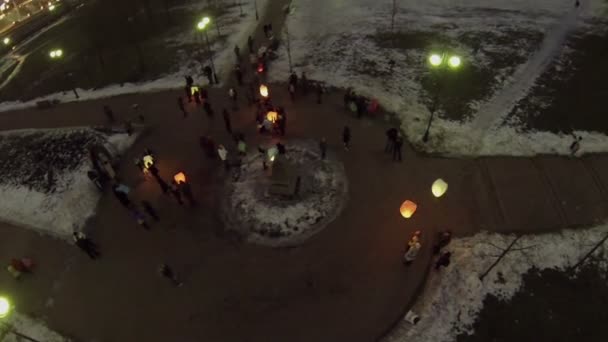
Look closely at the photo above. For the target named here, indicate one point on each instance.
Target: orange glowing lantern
(263, 90)
(272, 116)
(180, 178)
(408, 208)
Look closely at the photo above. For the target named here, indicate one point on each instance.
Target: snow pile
(29, 327)
(505, 46)
(454, 296)
(43, 180)
(236, 29)
(270, 219)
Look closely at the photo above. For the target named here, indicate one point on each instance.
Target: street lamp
(255, 4)
(439, 62)
(5, 310)
(201, 27)
(57, 54)
(6, 41)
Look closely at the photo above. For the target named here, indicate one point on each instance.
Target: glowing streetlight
(6, 41)
(5, 307)
(51, 8)
(441, 62)
(264, 91)
(201, 26)
(57, 53)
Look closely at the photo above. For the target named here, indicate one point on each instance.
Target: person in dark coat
(163, 185)
(346, 137)
(292, 92)
(323, 148)
(204, 94)
(391, 136)
(239, 75)
(250, 44)
(208, 73)
(360, 102)
(197, 97)
(443, 240)
(122, 197)
(150, 210)
(281, 148)
(84, 243)
(188, 92)
(234, 97)
(397, 147)
(208, 109)
(175, 192)
(227, 121)
(166, 272)
(180, 104)
(109, 114)
(319, 93)
(187, 192)
(293, 79)
(304, 83)
(443, 260)
(265, 27)
(237, 53)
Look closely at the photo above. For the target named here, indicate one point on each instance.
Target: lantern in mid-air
(439, 187)
(272, 116)
(180, 178)
(263, 90)
(408, 208)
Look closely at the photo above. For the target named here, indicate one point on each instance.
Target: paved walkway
(346, 283)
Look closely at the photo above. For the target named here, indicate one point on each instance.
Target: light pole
(201, 27)
(255, 5)
(5, 310)
(439, 62)
(57, 54)
(288, 47)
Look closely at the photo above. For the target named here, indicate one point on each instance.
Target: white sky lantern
(439, 187)
(148, 161)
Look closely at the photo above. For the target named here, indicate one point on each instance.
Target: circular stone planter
(262, 216)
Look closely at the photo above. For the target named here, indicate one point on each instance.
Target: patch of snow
(69, 199)
(29, 327)
(237, 31)
(453, 297)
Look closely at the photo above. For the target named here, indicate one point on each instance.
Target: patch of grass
(421, 40)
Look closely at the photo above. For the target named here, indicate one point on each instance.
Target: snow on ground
(453, 297)
(505, 46)
(272, 220)
(44, 183)
(234, 27)
(29, 327)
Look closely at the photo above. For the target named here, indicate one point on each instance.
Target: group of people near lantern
(271, 119)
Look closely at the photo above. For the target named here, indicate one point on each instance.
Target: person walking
(250, 44)
(265, 30)
(412, 252)
(222, 152)
(292, 91)
(293, 79)
(397, 147)
(227, 121)
(323, 148)
(443, 260)
(576, 145)
(121, 195)
(175, 192)
(84, 243)
(304, 83)
(237, 53)
(165, 271)
(149, 209)
(319, 93)
(180, 104)
(346, 137)
(239, 75)
(208, 73)
(109, 114)
(155, 173)
(187, 192)
(208, 109)
(233, 96)
(391, 136)
(139, 218)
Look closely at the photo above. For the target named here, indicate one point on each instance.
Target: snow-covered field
(453, 297)
(277, 221)
(43, 177)
(235, 28)
(29, 327)
(505, 46)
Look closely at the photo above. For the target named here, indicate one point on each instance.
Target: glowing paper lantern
(435, 59)
(272, 153)
(148, 161)
(180, 178)
(439, 187)
(272, 116)
(193, 89)
(263, 90)
(5, 307)
(454, 61)
(408, 208)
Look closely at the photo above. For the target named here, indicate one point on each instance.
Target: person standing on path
(165, 271)
(397, 147)
(346, 138)
(233, 96)
(122, 196)
(292, 92)
(443, 260)
(155, 173)
(237, 53)
(323, 148)
(149, 209)
(319, 93)
(175, 192)
(575, 146)
(180, 104)
(109, 114)
(265, 30)
(227, 121)
(250, 44)
(187, 192)
(208, 73)
(84, 243)
(411, 254)
(239, 75)
(223, 154)
(391, 136)
(140, 218)
(208, 109)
